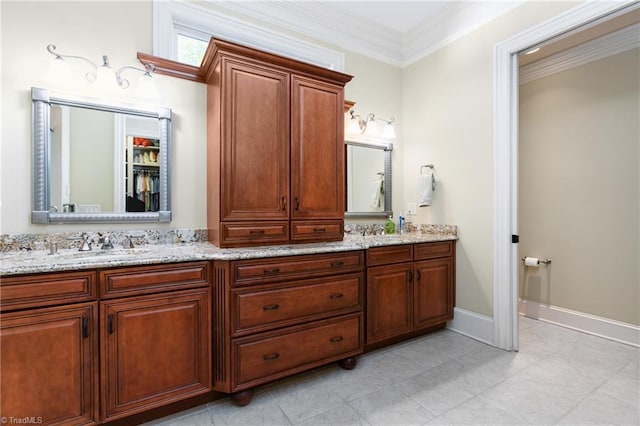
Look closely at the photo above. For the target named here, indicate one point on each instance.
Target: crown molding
(321, 21)
(600, 48)
(455, 22)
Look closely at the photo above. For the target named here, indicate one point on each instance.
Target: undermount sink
(122, 252)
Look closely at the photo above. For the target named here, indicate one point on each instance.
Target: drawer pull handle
(272, 271)
(256, 231)
(418, 275)
(270, 307)
(336, 296)
(284, 203)
(297, 204)
(336, 339)
(318, 230)
(271, 357)
(409, 276)
(337, 264)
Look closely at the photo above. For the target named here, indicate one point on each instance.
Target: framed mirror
(95, 161)
(368, 178)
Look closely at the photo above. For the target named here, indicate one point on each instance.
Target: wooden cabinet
(432, 292)
(275, 164)
(87, 347)
(155, 350)
(49, 355)
(278, 316)
(389, 301)
(317, 152)
(156, 344)
(409, 288)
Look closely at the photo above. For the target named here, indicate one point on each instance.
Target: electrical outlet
(412, 208)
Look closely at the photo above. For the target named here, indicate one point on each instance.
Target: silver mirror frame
(387, 147)
(41, 214)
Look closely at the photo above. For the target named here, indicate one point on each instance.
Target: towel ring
(430, 166)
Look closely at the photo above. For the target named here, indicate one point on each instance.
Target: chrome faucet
(106, 242)
(86, 245)
(128, 242)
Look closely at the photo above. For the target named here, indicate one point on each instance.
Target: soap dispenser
(389, 226)
(400, 223)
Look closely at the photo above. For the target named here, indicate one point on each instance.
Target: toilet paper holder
(546, 261)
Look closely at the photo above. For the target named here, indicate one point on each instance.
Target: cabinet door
(317, 150)
(255, 143)
(389, 301)
(48, 359)
(433, 292)
(155, 350)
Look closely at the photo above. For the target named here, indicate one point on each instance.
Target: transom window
(182, 30)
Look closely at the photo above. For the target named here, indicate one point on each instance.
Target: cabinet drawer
(433, 250)
(317, 231)
(254, 233)
(152, 279)
(306, 300)
(274, 269)
(274, 355)
(32, 291)
(389, 254)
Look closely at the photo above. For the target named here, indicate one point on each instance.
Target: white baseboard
(591, 324)
(471, 324)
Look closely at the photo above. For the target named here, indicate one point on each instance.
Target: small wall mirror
(368, 177)
(96, 161)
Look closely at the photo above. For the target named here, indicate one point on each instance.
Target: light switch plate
(412, 208)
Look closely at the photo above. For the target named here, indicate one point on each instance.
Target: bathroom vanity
(167, 327)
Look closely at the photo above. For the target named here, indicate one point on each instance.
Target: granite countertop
(38, 261)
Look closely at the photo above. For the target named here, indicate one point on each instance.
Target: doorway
(506, 89)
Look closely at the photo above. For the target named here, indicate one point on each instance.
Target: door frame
(505, 159)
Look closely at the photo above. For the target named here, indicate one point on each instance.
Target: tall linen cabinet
(275, 148)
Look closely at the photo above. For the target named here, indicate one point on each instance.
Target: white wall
(448, 113)
(90, 29)
(120, 30)
(579, 188)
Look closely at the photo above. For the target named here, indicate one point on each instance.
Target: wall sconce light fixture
(368, 127)
(103, 76)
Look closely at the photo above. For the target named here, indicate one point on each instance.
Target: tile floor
(559, 376)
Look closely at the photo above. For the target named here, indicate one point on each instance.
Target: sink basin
(98, 253)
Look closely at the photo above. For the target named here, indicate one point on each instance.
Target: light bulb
(388, 132)
(105, 81)
(371, 129)
(354, 127)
